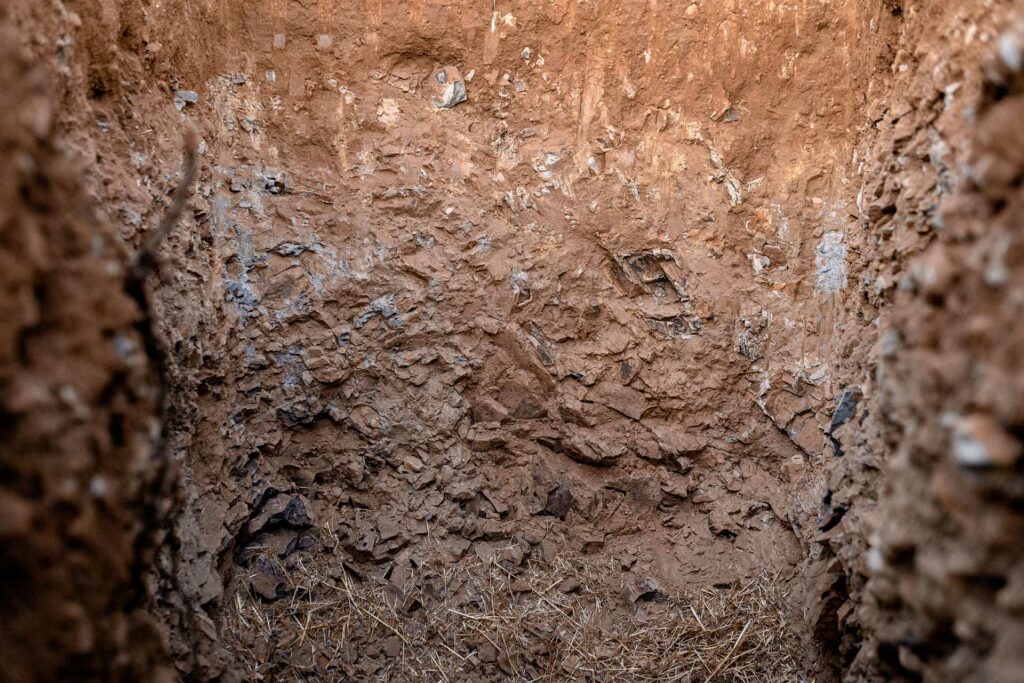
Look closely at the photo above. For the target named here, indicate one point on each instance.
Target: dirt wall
(81, 479)
(922, 513)
(600, 274)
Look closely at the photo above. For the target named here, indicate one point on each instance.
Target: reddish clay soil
(565, 340)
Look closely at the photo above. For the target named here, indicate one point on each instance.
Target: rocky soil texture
(563, 340)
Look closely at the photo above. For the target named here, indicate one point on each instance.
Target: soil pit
(540, 342)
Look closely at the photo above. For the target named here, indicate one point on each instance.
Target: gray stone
(454, 93)
(451, 88)
(185, 97)
(190, 96)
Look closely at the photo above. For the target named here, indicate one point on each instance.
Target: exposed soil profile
(536, 341)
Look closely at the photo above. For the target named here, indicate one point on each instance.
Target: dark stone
(646, 589)
(846, 408)
(559, 501)
(267, 578)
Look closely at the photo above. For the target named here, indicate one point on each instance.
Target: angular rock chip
(450, 87)
(267, 578)
(559, 501)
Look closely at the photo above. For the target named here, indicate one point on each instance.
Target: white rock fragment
(996, 272)
(1010, 50)
(979, 441)
(98, 487)
(874, 560)
(388, 111)
(759, 262)
(830, 262)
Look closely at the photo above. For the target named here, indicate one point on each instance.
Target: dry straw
(479, 621)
